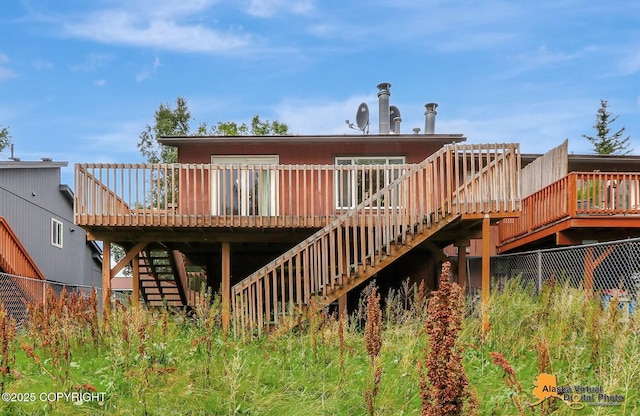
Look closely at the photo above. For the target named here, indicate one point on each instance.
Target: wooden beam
(486, 270)
(226, 284)
(437, 251)
(135, 268)
(131, 254)
(106, 273)
(566, 238)
(486, 258)
(462, 263)
(342, 306)
(215, 235)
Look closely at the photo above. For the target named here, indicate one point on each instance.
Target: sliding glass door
(244, 185)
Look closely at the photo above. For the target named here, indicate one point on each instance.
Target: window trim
(57, 233)
(339, 161)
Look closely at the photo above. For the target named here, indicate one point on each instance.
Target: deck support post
(135, 285)
(486, 270)
(462, 263)
(225, 286)
(106, 273)
(342, 306)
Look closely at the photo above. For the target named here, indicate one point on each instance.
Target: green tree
(168, 122)
(604, 143)
(5, 138)
(175, 122)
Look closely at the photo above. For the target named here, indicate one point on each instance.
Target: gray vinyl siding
(29, 199)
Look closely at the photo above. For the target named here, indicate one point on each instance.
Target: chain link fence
(609, 269)
(17, 292)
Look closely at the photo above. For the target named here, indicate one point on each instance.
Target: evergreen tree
(603, 143)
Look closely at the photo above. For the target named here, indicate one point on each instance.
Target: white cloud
(42, 65)
(125, 26)
(5, 73)
(121, 138)
(543, 57)
(92, 62)
(100, 82)
(268, 8)
(318, 117)
(148, 73)
(631, 63)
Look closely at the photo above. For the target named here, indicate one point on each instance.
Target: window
(365, 178)
(246, 189)
(56, 233)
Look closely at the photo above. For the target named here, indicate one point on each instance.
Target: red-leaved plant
(444, 386)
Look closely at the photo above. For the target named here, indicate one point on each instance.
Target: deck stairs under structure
(162, 277)
(456, 183)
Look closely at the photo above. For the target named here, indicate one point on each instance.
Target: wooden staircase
(456, 181)
(17, 288)
(162, 283)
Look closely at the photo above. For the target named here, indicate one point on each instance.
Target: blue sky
(79, 80)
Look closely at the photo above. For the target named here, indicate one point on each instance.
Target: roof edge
(444, 138)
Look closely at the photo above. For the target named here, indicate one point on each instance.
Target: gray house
(39, 211)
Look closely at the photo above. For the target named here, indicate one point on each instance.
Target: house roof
(18, 164)
(577, 163)
(364, 138)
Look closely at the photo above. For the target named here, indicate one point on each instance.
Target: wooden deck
(579, 206)
(274, 196)
(338, 225)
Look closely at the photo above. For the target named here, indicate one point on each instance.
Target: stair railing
(277, 293)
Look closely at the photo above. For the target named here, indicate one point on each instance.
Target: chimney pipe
(396, 124)
(430, 118)
(383, 107)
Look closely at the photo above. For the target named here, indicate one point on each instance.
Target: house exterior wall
(311, 152)
(294, 150)
(29, 199)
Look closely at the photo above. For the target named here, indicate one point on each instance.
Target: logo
(575, 397)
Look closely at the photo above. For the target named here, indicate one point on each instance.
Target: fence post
(539, 253)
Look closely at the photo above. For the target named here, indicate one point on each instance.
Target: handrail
(14, 258)
(578, 194)
(243, 195)
(334, 255)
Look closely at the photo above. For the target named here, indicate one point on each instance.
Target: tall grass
(157, 363)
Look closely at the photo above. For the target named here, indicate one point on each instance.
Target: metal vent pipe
(430, 118)
(383, 107)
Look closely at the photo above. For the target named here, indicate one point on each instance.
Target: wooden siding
(577, 195)
(316, 150)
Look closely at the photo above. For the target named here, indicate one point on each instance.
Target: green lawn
(135, 362)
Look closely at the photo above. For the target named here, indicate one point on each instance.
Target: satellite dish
(394, 113)
(362, 119)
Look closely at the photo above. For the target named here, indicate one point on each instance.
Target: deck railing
(578, 194)
(185, 195)
(458, 179)
(13, 256)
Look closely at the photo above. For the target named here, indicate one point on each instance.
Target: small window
(56, 233)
